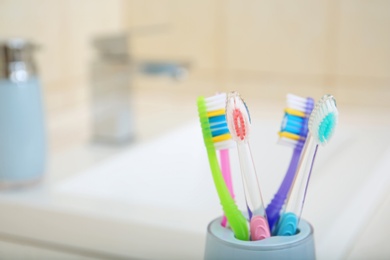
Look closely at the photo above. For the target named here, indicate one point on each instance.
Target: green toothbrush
(236, 219)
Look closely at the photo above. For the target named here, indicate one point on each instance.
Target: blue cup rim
(225, 236)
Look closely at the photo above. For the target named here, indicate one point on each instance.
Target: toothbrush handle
(290, 219)
(236, 219)
(273, 209)
(251, 185)
(259, 227)
(309, 171)
(297, 196)
(225, 165)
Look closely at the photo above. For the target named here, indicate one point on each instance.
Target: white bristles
(287, 142)
(296, 102)
(295, 97)
(225, 145)
(216, 102)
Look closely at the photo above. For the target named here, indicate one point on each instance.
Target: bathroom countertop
(155, 198)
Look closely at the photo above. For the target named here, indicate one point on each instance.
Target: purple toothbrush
(293, 133)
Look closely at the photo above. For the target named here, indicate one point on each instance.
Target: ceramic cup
(221, 244)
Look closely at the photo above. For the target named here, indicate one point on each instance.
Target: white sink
(171, 178)
(154, 200)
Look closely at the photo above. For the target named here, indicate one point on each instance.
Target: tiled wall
(261, 48)
(64, 29)
(270, 47)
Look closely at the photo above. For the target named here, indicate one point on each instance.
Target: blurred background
(176, 50)
(261, 48)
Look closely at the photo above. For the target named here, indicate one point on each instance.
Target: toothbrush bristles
(294, 125)
(215, 106)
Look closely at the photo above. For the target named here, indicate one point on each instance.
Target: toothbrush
(292, 133)
(322, 124)
(238, 119)
(226, 173)
(236, 219)
(221, 136)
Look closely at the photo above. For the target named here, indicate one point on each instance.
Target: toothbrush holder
(221, 244)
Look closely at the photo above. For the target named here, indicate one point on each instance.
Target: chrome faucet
(111, 75)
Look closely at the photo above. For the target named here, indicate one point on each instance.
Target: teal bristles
(326, 127)
(323, 120)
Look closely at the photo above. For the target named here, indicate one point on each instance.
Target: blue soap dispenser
(22, 132)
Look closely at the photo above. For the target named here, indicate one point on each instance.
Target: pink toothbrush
(221, 137)
(225, 166)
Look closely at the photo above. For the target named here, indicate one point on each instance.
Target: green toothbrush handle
(236, 219)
